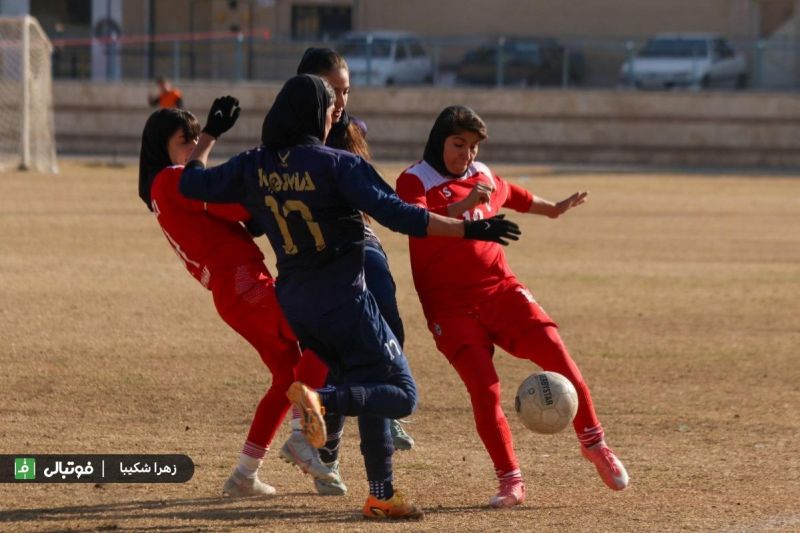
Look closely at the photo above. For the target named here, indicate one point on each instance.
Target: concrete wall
(714, 129)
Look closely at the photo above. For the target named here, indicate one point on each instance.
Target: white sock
(512, 474)
(248, 466)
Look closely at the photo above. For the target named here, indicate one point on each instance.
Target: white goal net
(27, 135)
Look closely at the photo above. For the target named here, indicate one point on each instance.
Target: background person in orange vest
(168, 95)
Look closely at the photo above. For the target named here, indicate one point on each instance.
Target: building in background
(261, 39)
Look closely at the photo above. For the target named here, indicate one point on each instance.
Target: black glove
(495, 229)
(222, 116)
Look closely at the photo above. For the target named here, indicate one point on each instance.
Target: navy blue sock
(383, 490)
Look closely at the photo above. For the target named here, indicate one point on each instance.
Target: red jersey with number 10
(208, 238)
(451, 273)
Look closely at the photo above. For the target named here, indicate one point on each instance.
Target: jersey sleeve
(222, 184)
(364, 188)
(411, 190)
(517, 198)
(165, 187)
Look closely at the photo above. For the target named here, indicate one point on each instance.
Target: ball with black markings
(546, 402)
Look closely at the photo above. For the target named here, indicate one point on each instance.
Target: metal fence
(568, 62)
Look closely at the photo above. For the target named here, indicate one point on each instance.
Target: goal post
(27, 131)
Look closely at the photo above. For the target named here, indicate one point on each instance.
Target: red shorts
(497, 318)
(245, 298)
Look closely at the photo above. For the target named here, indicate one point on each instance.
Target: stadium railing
(772, 64)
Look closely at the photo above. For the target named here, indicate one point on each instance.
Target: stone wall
(708, 129)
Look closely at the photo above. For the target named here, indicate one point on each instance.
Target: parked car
(685, 60)
(524, 61)
(386, 58)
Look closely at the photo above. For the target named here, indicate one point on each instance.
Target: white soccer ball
(546, 402)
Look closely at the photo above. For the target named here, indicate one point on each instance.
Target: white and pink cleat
(511, 493)
(608, 465)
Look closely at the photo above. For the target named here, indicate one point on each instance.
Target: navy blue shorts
(354, 341)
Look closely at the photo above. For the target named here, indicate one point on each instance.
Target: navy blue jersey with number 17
(307, 200)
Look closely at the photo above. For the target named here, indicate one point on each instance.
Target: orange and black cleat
(395, 508)
(312, 413)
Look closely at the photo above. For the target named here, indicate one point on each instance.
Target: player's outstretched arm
(364, 189)
(540, 206)
(496, 229)
(222, 116)
(222, 184)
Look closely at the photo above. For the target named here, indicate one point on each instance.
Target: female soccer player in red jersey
(220, 253)
(473, 302)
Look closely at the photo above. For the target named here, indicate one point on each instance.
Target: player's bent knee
(405, 408)
(408, 386)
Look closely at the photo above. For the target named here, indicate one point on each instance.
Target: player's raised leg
(551, 354)
(525, 331)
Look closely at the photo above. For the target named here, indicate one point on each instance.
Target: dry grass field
(678, 295)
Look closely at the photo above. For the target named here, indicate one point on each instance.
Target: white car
(685, 60)
(386, 58)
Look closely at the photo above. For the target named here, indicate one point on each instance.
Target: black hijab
(298, 114)
(447, 123)
(154, 156)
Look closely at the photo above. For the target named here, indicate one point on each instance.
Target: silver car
(697, 60)
(386, 58)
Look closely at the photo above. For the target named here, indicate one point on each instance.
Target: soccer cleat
(510, 493)
(395, 508)
(238, 486)
(299, 452)
(400, 438)
(311, 413)
(336, 487)
(610, 468)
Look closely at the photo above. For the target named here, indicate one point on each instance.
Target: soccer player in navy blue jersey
(347, 133)
(306, 197)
